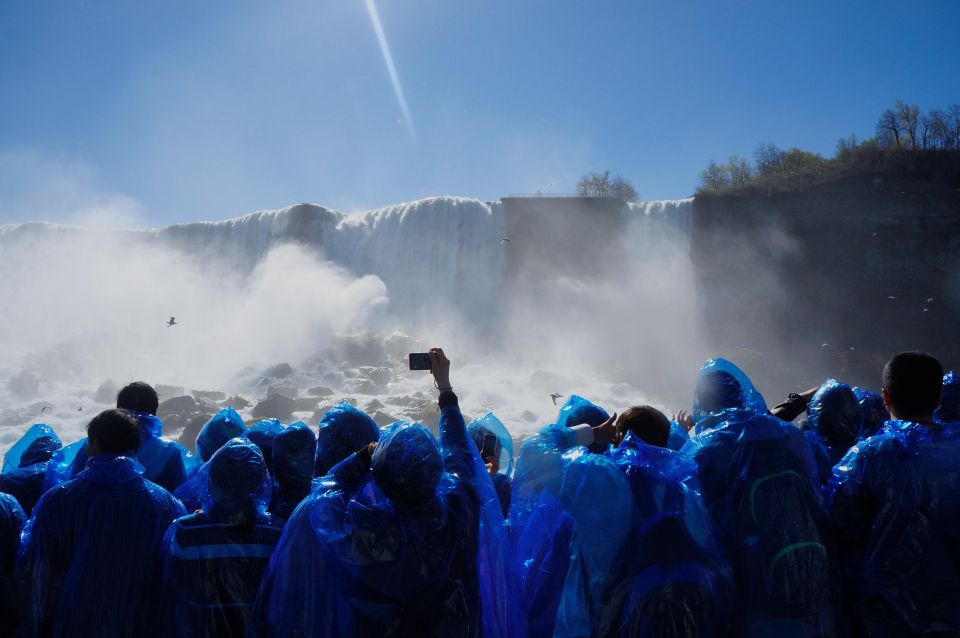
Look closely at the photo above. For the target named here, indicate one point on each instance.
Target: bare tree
(848, 150)
(715, 177)
(739, 171)
(939, 129)
(602, 185)
(889, 128)
(768, 159)
(909, 115)
(953, 126)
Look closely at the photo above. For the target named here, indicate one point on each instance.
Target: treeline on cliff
(908, 142)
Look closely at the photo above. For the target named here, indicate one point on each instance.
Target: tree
(939, 125)
(848, 150)
(769, 160)
(739, 171)
(798, 162)
(953, 126)
(715, 177)
(889, 128)
(602, 185)
(909, 115)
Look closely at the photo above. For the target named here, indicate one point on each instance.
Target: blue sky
(160, 112)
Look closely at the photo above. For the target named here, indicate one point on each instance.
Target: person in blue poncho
(678, 580)
(90, 558)
(294, 452)
(492, 449)
(833, 424)
(25, 479)
(214, 559)
(760, 484)
(262, 434)
(873, 413)
(12, 520)
(402, 538)
(342, 430)
(896, 504)
(222, 426)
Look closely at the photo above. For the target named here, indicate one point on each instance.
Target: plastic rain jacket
(90, 556)
(25, 465)
(896, 505)
(214, 559)
(294, 452)
(832, 426)
(342, 430)
(222, 426)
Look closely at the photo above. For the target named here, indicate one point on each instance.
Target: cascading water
(337, 296)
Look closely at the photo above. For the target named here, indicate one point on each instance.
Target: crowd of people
(727, 521)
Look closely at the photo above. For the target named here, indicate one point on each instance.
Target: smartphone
(420, 361)
(489, 446)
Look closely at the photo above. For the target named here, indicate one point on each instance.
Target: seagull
(929, 299)
(172, 322)
(555, 396)
(504, 240)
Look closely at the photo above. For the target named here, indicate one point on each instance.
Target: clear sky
(160, 112)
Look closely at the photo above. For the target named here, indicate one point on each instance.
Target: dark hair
(138, 397)
(913, 384)
(648, 423)
(116, 431)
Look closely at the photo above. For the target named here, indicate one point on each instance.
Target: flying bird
(172, 322)
(555, 396)
(504, 239)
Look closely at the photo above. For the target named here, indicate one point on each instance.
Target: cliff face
(836, 277)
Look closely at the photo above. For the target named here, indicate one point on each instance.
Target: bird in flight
(504, 240)
(555, 396)
(172, 322)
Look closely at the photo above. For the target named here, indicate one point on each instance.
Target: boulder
(182, 405)
(361, 386)
(165, 392)
(237, 402)
(306, 404)
(382, 418)
(320, 391)
(282, 389)
(209, 395)
(275, 407)
(528, 416)
(188, 438)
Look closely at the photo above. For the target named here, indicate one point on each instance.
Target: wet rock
(165, 392)
(304, 404)
(382, 418)
(188, 438)
(237, 402)
(282, 389)
(182, 405)
(360, 386)
(275, 407)
(319, 391)
(528, 416)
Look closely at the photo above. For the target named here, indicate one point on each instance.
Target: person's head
(235, 480)
(717, 390)
(406, 464)
(342, 430)
(645, 422)
(577, 411)
(138, 397)
(263, 433)
(911, 386)
(873, 413)
(294, 451)
(482, 437)
(834, 413)
(222, 426)
(113, 432)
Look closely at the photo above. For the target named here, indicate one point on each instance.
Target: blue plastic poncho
(678, 436)
(294, 452)
(222, 426)
(409, 542)
(37, 445)
(722, 386)
(596, 495)
(12, 520)
(489, 423)
(343, 430)
(577, 410)
(263, 433)
(949, 409)
(896, 505)
(64, 461)
(873, 413)
(759, 481)
(166, 463)
(28, 459)
(833, 424)
(478, 429)
(541, 530)
(214, 559)
(90, 558)
(679, 582)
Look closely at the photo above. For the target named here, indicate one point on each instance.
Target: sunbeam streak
(391, 69)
